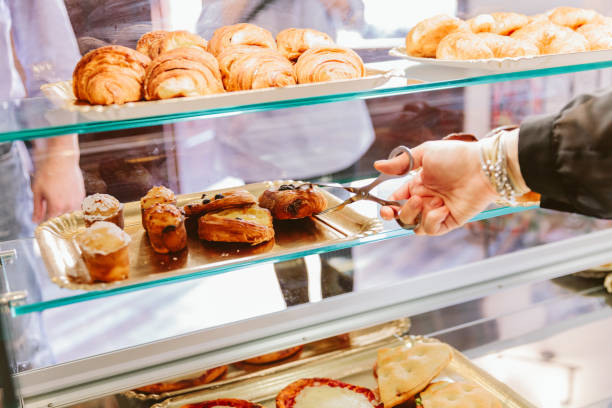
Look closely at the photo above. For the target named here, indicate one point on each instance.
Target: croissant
(246, 67)
(463, 45)
(498, 23)
(292, 42)
(182, 72)
(423, 39)
(329, 64)
(240, 34)
(150, 40)
(178, 39)
(551, 38)
(599, 36)
(573, 17)
(110, 75)
(507, 47)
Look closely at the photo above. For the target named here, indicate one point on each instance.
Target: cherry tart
(325, 392)
(224, 403)
(288, 201)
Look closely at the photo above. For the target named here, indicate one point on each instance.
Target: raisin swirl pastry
(251, 225)
(245, 67)
(110, 75)
(293, 42)
(240, 34)
(165, 225)
(329, 64)
(206, 377)
(289, 202)
(182, 72)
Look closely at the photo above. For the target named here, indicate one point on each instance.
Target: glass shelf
(38, 117)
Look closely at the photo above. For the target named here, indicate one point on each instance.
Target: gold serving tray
(62, 256)
(242, 371)
(354, 366)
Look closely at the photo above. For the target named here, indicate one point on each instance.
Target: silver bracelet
(494, 164)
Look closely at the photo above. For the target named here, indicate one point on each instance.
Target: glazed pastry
(224, 403)
(551, 38)
(293, 42)
(423, 39)
(572, 17)
(463, 45)
(182, 72)
(599, 36)
(246, 67)
(506, 47)
(498, 23)
(156, 195)
(275, 356)
(290, 202)
(104, 247)
(150, 41)
(110, 75)
(252, 225)
(310, 392)
(220, 201)
(206, 377)
(240, 34)
(165, 226)
(102, 207)
(329, 64)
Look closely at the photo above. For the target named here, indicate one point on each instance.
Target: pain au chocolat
(289, 201)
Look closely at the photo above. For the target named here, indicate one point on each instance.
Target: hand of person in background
(57, 185)
(450, 189)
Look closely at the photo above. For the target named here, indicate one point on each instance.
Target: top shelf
(39, 117)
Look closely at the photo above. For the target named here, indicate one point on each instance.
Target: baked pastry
(246, 67)
(551, 38)
(182, 72)
(328, 64)
(599, 36)
(240, 34)
(104, 247)
(206, 377)
(224, 403)
(102, 207)
(463, 45)
(423, 39)
(501, 23)
(293, 42)
(311, 392)
(156, 195)
(220, 201)
(274, 356)
(404, 372)
(506, 47)
(165, 225)
(251, 225)
(290, 202)
(150, 41)
(572, 17)
(457, 394)
(177, 39)
(110, 75)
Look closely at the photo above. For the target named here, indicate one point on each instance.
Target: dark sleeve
(567, 157)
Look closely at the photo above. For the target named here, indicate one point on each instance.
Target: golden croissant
(599, 36)
(293, 42)
(501, 23)
(573, 17)
(552, 38)
(182, 72)
(150, 41)
(329, 64)
(110, 75)
(245, 67)
(423, 39)
(240, 34)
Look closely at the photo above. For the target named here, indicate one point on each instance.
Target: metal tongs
(363, 193)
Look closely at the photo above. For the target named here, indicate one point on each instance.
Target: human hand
(450, 189)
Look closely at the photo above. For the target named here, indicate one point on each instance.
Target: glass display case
(502, 289)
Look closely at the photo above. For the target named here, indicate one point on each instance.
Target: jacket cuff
(537, 157)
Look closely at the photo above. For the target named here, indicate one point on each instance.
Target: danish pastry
(182, 72)
(252, 225)
(458, 394)
(599, 36)
(240, 34)
(423, 39)
(177, 39)
(463, 45)
(501, 23)
(275, 356)
(206, 377)
(102, 207)
(246, 67)
(104, 247)
(156, 195)
(110, 75)
(221, 201)
(150, 41)
(224, 403)
(309, 392)
(165, 226)
(293, 42)
(506, 47)
(572, 17)
(551, 38)
(328, 64)
(291, 202)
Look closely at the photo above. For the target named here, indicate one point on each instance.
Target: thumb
(400, 164)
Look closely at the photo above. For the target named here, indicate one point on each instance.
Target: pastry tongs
(363, 193)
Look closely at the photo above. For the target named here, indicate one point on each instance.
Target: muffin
(102, 207)
(104, 248)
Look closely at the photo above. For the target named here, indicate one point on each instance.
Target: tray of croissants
(407, 371)
(508, 41)
(178, 71)
(108, 244)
